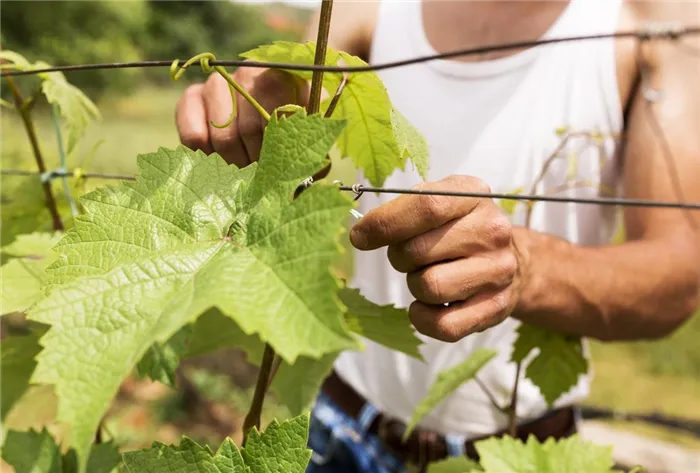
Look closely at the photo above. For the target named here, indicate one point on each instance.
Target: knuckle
(249, 125)
(500, 230)
(430, 285)
(508, 266)
(245, 74)
(214, 81)
(447, 330)
(480, 185)
(193, 139)
(193, 91)
(415, 249)
(468, 183)
(437, 207)
(222, 138)
(500, 304)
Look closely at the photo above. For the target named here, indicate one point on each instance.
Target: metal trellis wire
(359, 189)
(670, 31)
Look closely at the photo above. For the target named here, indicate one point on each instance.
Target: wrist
(523, 253)
(533, 287)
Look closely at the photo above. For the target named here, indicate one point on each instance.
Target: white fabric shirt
(495, 120)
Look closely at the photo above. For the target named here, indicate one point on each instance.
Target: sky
(297, 3)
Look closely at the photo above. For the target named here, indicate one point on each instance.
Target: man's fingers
(411, 215)
(460, 279)
(272, 89)
(217, 101)
(191, 119)
(456, 239)
(456, 321)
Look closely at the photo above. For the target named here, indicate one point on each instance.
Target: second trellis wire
(359, 189)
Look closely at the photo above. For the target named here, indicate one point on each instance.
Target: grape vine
(134, 284)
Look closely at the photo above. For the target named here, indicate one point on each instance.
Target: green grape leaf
(23, 207)
(508, 205)
(77, 110)
(228, 458)
(446, 383)
(411, 143)
(191, 233)
(296, 53)
(32, 452)
(162, 359)
(14, 58)
(104, 458)
(378, 139)
(454, 465)
(573, 160)
(188, 457)
(369, 138)
(280, 448)
(214, 331)
(37, 452)
(17, 365)
(37, 244)
(557, 366)
(22, 277)
(569, 455)
(296, 386)
(385, 324)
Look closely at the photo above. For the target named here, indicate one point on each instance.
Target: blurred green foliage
(74, 32)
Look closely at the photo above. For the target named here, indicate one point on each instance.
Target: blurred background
(137, 107)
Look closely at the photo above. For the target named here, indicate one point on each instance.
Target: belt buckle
(391, 432)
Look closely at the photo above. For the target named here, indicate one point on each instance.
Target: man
(547, 119)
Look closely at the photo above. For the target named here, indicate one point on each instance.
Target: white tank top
(496, 120)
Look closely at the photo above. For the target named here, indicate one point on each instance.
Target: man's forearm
(636, 290)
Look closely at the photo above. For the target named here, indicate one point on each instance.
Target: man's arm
(647, 286)
(469, 269)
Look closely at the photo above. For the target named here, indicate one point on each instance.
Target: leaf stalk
(25, 114)
(252, 419)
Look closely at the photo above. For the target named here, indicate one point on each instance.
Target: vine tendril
(204, 60)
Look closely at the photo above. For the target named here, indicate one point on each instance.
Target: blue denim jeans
(341, 443)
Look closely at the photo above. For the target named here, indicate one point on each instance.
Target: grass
(138, 123)
(651, 376)
(660, 376)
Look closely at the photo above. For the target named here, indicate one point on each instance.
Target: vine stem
(271, 361)
(324, 28)
(512, 408)
(252, 419)
(25, 113)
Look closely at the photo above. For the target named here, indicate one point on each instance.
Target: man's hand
(240, 142)
(454, 250)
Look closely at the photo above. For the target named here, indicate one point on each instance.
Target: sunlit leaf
(189, 234)
(559, 362)
(446, 383)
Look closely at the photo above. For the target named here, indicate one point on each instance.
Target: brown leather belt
(424, 446)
